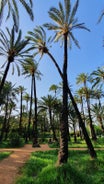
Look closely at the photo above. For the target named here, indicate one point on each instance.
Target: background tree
(20, 90)
(48, 104)
(30, 69)
(84, 78)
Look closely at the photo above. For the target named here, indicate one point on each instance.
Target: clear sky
(86, 59)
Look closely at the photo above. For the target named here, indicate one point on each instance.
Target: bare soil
(10, 166)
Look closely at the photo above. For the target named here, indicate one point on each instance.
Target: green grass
(80, 143)
(81, 169)
(4, 155)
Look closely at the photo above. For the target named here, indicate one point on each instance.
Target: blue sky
(86, 59)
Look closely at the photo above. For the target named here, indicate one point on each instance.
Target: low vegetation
(4, 155)
(41, 168)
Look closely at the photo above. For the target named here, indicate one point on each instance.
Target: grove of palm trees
(67, 115)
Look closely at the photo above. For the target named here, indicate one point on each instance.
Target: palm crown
(65, 21)
(13, 49)
(39, 40)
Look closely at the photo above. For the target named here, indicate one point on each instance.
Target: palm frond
(12, 69)
(67, 9)
(4, 39)
(55, 14)
(74, 10)
(75, 40)
(18, 38)
(101, 16)
(18, 69)
(81, 26)
(28, 9)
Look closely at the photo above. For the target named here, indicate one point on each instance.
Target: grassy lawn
(81, 143)
(81, 169)
(4, 155)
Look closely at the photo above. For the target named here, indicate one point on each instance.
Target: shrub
(15, 140)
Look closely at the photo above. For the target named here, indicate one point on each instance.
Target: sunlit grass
(80, 143)
(4, 155)
(41, 168)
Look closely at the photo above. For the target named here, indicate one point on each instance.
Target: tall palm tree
(82, 79)
(64, 24)
(13, 10)
(13, 49)
(30, 69)
(20, 90)
(40, 43)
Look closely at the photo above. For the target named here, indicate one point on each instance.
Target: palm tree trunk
(93, 134)
(4, 126)
(35, 121)
(82, 125)
(20, 123)
(52, 126)
(4, 77)
(63, 152)
(30, 112)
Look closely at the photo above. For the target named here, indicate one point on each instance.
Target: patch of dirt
(10, 166)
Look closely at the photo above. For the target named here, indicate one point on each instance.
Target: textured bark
(63, 152)
(82, 125)
(4, 77)
(35, 131)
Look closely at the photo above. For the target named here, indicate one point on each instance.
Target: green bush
(15, 140)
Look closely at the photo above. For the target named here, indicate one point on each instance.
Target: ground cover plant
(42, 168)
(4, 155)
(99, 143)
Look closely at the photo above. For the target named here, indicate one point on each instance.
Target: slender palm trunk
(52, 126)
(35, 121)
(20, 123)
(4, 77)
(30, 112)
(82, 125)
(3, 130)
(63, 152)
(99, 118)
(93, 134)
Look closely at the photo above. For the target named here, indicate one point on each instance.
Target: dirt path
(10, 166)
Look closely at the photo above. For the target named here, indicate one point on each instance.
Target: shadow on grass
(41, 169)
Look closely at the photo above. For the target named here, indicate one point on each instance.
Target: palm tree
(20, 90)
(54, 88)
(98, 94)
(98, 77)
(30, 69)
(47, 103)
(65, 23)
(39, 43)
(83, 78)
(26, 97)
(9, 92)
(98, 112)
(13, 49)
(13, 10)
